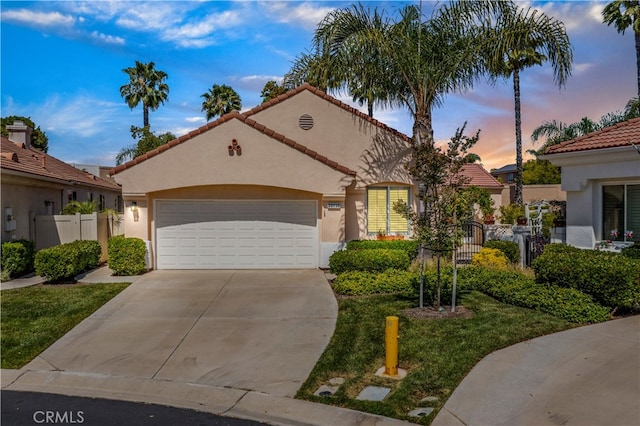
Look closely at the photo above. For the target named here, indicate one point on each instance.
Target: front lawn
(438, 353)
(32, 318)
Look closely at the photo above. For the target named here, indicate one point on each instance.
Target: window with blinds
(620, 212)
(381, 217)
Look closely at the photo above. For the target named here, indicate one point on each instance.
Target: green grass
(32, 318)
(438, 353)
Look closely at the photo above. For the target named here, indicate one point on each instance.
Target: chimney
(19, 133)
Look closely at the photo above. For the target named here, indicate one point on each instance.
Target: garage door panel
(213, 234)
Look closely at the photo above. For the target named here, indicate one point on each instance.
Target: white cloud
(195, 120)
(107, 39)
(305, 14)
(37, 18)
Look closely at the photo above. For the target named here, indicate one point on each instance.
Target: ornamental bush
(632, 252)
(65, 261)
(610, 278)
(126, 256)
(510, 286)
(17, 258)
(368, 260)
(511, 249)
(392, 281)
(409, 246)
(490, 258)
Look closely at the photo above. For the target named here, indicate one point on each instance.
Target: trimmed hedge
(514, 288)
(65, 261)
(126, 256)
(632, 252)
(17, 257)
(368, 260)
(409, 246)
(511, 249)
(611, 279)
(393, 281)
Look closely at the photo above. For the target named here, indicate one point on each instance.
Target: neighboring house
(530, 193)
(505, 174)
(480, 177)
(34, 183)
(283, 185)
(601, 175)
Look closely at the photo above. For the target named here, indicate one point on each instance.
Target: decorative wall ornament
(234, 149)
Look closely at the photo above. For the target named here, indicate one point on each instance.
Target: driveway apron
(254, 330)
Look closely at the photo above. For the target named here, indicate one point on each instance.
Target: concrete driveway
(252, 330)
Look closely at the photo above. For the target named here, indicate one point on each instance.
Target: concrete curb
(243, 404)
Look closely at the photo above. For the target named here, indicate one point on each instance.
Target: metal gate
(472, 241)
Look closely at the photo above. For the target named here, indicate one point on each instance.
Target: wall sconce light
(234, 148)
(134, 206)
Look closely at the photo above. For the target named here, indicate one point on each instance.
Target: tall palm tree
(413, 62)
(624, 14)
(147, 85)
(220, 100)
(524, 38)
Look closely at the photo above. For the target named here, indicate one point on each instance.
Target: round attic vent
(305, 122)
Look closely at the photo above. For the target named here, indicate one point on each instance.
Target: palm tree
(220, 100)
(613, 13)
(146, 84)
(272, 90)
(410, 61)
(524, 38)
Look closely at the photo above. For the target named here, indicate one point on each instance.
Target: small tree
(147, 141)
(438, 174)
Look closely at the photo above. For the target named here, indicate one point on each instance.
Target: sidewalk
(584, 376)
(101, 274)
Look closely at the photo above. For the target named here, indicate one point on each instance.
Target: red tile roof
(245, 117)
(479, 177)
(31, 161)
(621, 134)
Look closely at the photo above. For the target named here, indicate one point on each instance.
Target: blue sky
(62, 64)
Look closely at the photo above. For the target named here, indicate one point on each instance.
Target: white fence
(53, 230)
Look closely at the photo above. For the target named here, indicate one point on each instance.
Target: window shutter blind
(376, 210)
(397, 223)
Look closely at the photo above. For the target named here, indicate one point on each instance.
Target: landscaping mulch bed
(429, 312)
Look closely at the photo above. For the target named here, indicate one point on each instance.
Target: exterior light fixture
(134, 206)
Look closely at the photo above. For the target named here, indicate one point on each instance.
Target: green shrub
(409, 246)
(510, 286)
(632, 252)
(489, 258)
(65, 261)
(509, 214)
(511, 249)
(368, 260)
(610, 278)
(393, 281)
(17, 258)
(126, 256)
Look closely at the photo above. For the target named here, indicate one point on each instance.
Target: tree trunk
(518, 177)
(423, 128)
(145, 115)
(638, 59)
(370, 106)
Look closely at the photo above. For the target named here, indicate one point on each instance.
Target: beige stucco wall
(202, 168)
(377, 155)
(26, 197)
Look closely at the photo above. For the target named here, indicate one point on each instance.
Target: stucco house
(601, 176)
(35, 183)
(282, 185)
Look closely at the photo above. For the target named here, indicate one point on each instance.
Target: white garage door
(236, 234)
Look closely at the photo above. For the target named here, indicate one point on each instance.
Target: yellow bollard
(391, 347)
